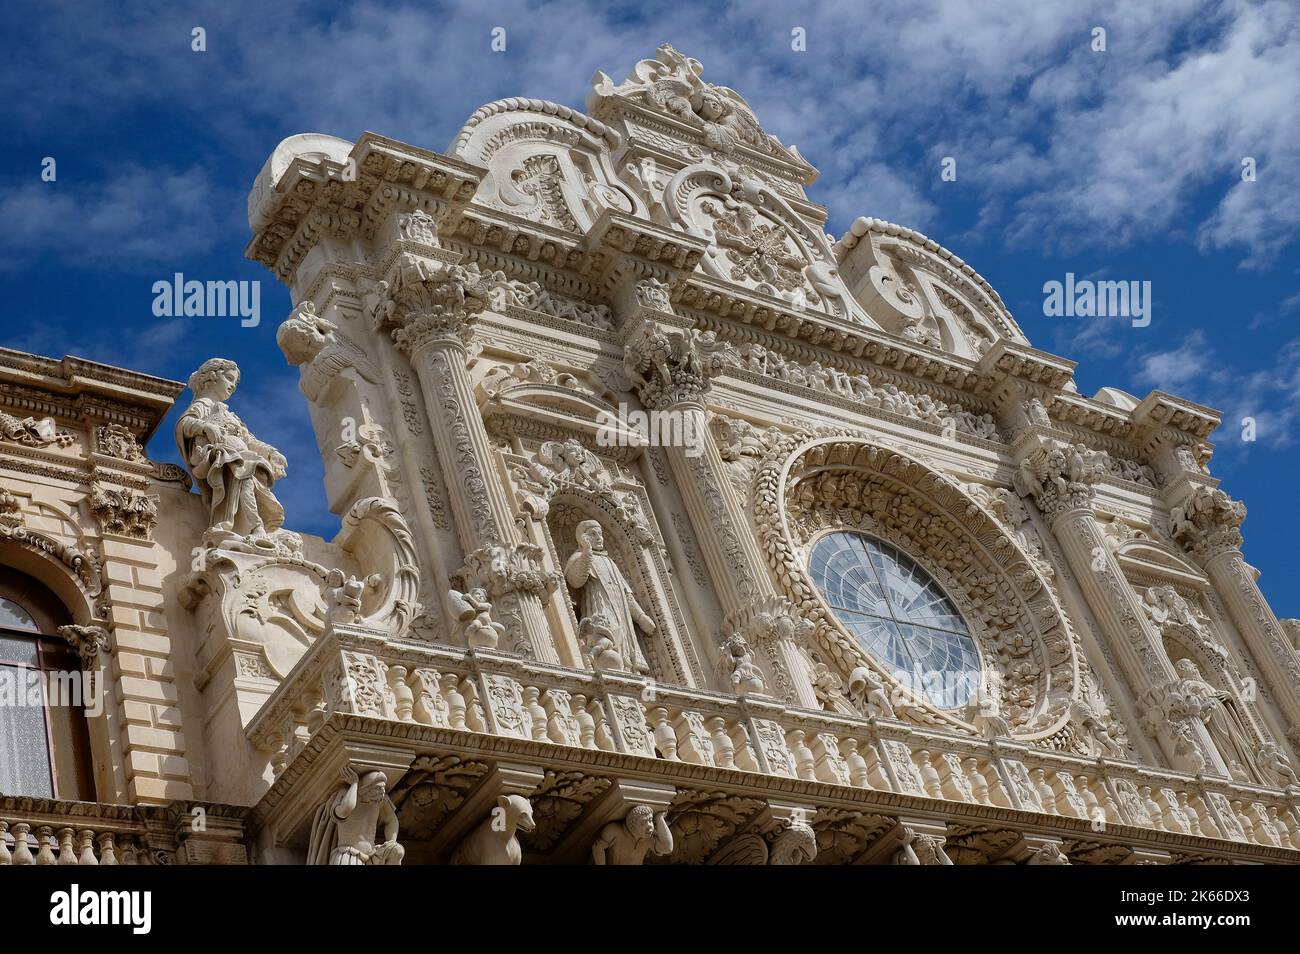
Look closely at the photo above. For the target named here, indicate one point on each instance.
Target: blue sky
(1123, 164)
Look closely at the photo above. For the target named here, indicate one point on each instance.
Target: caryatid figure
(346, 828)
(627, 842)
(235, 471)
(603, 591)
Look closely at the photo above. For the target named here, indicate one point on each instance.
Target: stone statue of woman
(603, 591)
(234, 470)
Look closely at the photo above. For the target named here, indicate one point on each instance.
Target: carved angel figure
(346, 827)
(627, 842)
(342, 597)
(597, 638)
(473, 613)
(235, 471)
(1273, 762)
(867, 692)
(736, 669)
(604, 592)
(314, 344)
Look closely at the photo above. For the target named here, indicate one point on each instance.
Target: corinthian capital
(426, 300)
(1208, 522)
(512, 568)
(669, 366)
(1060, 478)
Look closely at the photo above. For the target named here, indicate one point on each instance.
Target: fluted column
(671, 370)
(430, 305)
(1061, 481)
(1207, 525)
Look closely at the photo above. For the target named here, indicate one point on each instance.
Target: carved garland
(1014, 615)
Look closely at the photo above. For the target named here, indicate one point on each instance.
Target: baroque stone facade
(674, 531)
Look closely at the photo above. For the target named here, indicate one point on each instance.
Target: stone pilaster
(430, 304)
(671, 370)
(1061, 480)
(1207, 525)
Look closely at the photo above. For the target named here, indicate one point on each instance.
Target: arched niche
(637, 549)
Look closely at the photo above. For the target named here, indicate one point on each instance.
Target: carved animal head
(516, 812)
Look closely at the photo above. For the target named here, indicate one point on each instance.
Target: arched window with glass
(44, 742)
(899, 615)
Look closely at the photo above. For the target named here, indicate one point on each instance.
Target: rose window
(899, 615)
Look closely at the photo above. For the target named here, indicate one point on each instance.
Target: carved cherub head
(216, 378)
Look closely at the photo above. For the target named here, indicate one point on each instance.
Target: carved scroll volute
(375, 532)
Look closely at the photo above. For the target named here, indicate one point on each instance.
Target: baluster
(6, 856)
(1263, 829)
(22, 851)
(724, 750)
(86, 837)
(604, 735)
(805, 766)
(314, 711)
(930, 780)
(979, 784)
(456, 706)
(1092, 809)
(45, 845)
(107, 850)
(1153, 807)
(665, 737)
(536, 714)
(143, 854)
(67, 854)
(743, 748)
(857, 765)
(403, 698)
(1243, 819)
(1109, 807)
(1283, 835)
(1046, 794)
(1191, 814)
(586, 724)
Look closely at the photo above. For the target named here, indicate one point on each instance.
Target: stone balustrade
(42, 831)
(357, 672)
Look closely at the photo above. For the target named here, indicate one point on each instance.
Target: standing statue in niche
(1213, 707)
(345, 829)
(603, 591)
(234, 470)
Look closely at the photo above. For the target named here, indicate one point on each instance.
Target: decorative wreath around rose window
(970, 582)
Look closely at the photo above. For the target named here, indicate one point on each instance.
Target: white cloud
(135, 215)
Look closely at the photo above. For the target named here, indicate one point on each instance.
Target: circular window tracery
(899, 615)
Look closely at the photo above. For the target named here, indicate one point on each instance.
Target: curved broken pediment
(914, 287)
(546, 163)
